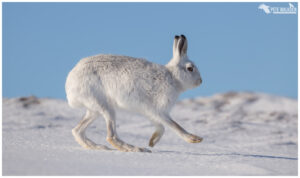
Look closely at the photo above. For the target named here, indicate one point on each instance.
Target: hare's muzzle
(199, 81)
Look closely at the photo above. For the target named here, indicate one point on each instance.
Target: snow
(244, 134)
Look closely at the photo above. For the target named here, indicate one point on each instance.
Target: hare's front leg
(191, 138)
(112, 136)
(157, 134)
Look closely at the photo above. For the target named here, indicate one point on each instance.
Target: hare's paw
(137, 149)
(151, 143)
(132, 148)
(122, 146)
(154, 139)
(191, 138)
(101, 147)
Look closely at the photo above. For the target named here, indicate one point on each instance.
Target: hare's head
(184, 70)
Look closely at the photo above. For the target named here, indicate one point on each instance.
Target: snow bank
(244, 134)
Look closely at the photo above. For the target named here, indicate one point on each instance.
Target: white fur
(103, 83)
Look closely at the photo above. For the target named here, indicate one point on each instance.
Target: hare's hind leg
(112, 137)
(167, 120)
(159, 131)
(79, 132)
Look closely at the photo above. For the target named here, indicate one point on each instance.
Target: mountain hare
(103, 83)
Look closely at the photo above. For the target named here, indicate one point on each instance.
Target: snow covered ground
(244, 134)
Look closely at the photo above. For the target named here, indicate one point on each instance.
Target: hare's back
(117, 67)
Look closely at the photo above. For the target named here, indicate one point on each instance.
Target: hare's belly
(137, 95)
(125, 94)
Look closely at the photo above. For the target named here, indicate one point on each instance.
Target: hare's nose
(200, 80)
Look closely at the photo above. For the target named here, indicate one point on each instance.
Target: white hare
(103, 83)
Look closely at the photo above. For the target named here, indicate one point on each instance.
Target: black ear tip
(176, 37)
(182, 36)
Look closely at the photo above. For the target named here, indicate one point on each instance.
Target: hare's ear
(179, 46)
(179, 49)
(183, 50)
(176, 53)
(175, 46)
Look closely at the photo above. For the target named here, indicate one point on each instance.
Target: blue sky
(236, 46)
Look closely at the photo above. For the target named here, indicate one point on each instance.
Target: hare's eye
(190, 69)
